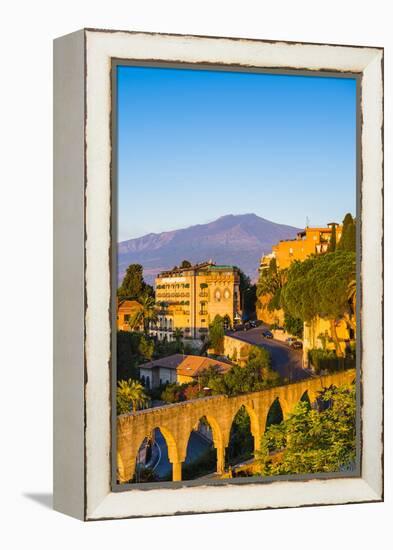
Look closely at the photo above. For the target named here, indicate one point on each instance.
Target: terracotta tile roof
(187, 365)
(193, 365)
(170, 362)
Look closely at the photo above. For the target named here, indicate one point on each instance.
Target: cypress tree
(348, 235)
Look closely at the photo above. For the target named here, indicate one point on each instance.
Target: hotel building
(312, 240)
(189, 298)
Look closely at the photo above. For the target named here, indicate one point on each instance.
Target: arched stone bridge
(177, 421)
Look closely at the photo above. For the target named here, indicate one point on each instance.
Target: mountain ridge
(238, 239)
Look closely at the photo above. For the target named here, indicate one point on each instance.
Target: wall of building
(313, 240)
(237, 350)
(196, 296)
(317, 335)
(157, 376)
(125, 311)
(263, 313)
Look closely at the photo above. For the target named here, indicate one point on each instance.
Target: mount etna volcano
(234, 239)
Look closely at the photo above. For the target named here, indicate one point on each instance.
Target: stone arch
(275, 409)
(312, 395)
(216, 439)
(253, 424)
(170, 440)
(305, 397)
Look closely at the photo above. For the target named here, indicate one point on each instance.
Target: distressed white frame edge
(100, 502)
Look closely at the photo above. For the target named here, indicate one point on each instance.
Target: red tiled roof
(187, 365)
(193, 365)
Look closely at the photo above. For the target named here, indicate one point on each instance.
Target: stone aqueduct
(177, 421)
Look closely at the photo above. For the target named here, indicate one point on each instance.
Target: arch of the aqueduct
(177, 421)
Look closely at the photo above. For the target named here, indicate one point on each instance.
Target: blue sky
(196, 145)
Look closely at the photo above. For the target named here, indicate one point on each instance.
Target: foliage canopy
(311, 440)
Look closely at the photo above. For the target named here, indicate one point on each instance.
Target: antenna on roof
(307, 221)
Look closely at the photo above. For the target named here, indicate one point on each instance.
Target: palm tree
(130, 392)
(145, 315)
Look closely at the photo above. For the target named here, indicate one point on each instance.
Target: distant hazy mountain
(236, 240)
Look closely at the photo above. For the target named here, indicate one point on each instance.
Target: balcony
(202, 312)
(203, 294)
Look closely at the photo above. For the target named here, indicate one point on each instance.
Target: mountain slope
(234, 239)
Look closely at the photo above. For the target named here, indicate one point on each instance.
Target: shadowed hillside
(234, 239)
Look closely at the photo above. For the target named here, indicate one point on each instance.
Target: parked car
(267, 334)
(253, 324)
(297, 344)
(290, 340)
(239, 327)
(247, 325)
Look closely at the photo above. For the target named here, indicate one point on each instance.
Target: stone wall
(237, 350)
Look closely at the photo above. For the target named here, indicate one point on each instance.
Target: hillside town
(206, 330)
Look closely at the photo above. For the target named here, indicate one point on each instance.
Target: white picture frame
(82, 258)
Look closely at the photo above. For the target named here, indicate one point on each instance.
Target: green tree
(173, 393)
(333, 240)
(348, 235)
(312, 440)
(146, 348)
(318, 286)
(293, 325)
(352, 293)
(216, 334)
(133, 286)
(256, 375)
(130, 396)
(128, 355)
(145, 315)
(247, 293)
(270, 283)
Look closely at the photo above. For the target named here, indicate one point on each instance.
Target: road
(197, 445)
(285, 360)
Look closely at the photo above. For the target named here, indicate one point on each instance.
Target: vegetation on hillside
(256, 375)
(312, 440)
(318, 287)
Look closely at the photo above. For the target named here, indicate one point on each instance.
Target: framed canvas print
(218, 272)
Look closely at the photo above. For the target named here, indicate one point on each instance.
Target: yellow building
(312, 240)
(125, 310)
(317, 335)
(189, 298)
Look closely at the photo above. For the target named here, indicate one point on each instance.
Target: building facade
(189, 298)
(125, 311)
(178, 368)
(312, 240)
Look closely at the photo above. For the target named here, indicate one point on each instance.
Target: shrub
(327, 360)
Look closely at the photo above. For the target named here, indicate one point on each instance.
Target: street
(285, 360)
(197, 445)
